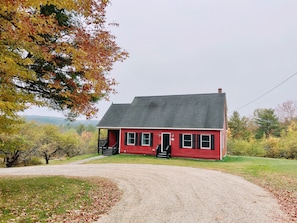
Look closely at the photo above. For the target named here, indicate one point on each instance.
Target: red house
(193, 126)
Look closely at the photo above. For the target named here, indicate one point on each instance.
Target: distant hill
(59, 121)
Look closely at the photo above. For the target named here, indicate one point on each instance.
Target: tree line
(33, 142)
(268, 133)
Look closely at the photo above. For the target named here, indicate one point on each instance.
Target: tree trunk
(46, 160)
(12, 160)
(46, 157)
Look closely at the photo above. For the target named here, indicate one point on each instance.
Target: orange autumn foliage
(56, 54)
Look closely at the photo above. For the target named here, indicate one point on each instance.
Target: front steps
(163, 155)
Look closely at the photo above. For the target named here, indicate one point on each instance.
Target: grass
(279, 176)
(239, 165)
(52, 199)
(63, 160)
(72, 159)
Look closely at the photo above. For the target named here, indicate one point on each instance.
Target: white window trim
(162, 142)
(142, 138)
(201, 142)
(128, 138)
(187, 140)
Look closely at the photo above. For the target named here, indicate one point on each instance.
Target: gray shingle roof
(114, 115)
(198, 111)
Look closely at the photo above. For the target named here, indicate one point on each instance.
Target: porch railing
(104, 147)
(158, 150)
(115, 148)
(168, 151)
(108, 151)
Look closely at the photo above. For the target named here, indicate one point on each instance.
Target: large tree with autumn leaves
(56, 54)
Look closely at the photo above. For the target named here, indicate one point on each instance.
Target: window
(145, 139)
(205, 141)
(187, 140)
(131, 138)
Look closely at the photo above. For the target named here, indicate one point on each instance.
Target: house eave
(108, 127)
(160, 128)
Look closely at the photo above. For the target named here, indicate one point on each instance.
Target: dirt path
(154, 193)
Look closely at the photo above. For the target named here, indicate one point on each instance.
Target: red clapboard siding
(175, 142)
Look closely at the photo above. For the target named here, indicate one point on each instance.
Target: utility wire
(261, 96)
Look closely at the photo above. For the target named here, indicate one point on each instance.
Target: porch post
(98, 148)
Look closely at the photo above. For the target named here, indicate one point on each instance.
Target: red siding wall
(176, 151)
(112, 137)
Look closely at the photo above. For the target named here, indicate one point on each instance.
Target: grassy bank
(54, 199)
(66, 160)
(279, 176)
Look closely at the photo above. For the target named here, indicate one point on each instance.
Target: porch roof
(114, 115)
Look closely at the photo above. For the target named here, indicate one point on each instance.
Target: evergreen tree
(238, 126)
(267, 123)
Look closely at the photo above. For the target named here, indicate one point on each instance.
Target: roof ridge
(174, 95)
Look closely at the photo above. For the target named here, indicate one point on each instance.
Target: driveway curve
(156, 193)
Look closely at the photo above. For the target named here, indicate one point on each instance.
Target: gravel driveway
(154, 193)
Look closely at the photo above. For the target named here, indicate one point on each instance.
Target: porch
(108, 142)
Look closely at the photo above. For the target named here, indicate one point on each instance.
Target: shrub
(288, 142)
(272, 147)
(241, 147)
(32, 161)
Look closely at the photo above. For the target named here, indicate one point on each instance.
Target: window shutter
(194, 141)
(198, 144)
(140, 138)
(180, 140)
(136, 139)
(126, 138)
(212, 142)
(151, 144)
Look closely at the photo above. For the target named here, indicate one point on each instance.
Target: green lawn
(54, 199)
(239, 165)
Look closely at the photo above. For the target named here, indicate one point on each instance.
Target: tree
(287, 111)
(80, 128)
(89, 141)
(49, 141)
(11, 146)
(288, 142)
(93, 143)
(267, 123)
(70, 143)
(14, 144)
(55, 55)
(238, 126)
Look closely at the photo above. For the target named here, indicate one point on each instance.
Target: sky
(245, 47)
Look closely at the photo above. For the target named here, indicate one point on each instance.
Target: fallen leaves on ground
(104, 197)
(285, 191)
